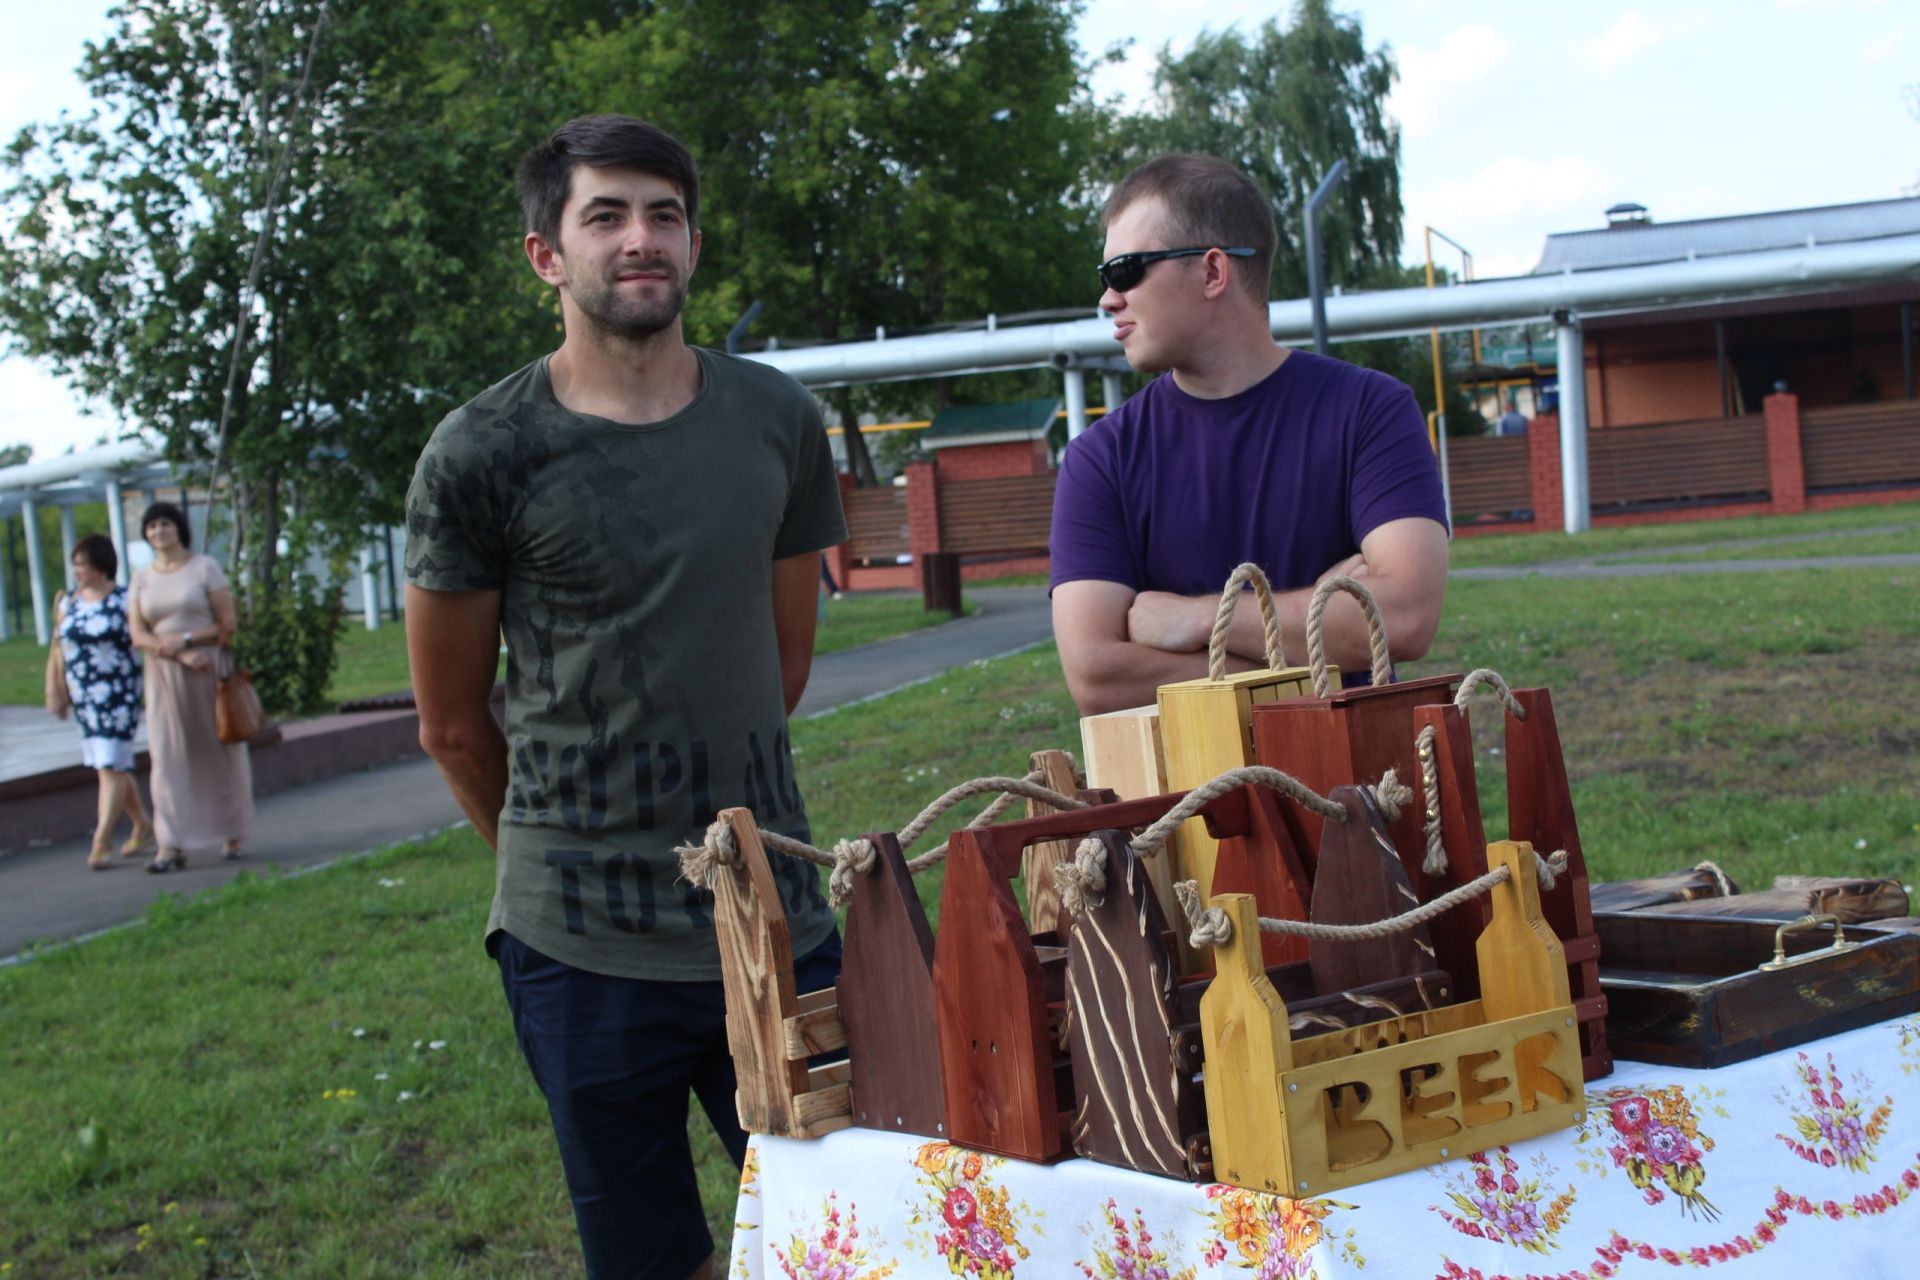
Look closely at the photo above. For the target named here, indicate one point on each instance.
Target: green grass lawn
(1760, 720)
(1534, 548)
(371, 663)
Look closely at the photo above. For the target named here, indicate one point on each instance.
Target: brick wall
(992, 461)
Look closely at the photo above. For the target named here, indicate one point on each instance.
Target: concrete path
(47, 893)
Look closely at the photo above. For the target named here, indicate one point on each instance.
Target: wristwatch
(186, 640)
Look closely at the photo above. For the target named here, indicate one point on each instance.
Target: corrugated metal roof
(1641, 243)
(1020, 419)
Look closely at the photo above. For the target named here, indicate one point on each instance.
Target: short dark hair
(1208, 202)
(545, 179)
(97, 550)
(167, 511)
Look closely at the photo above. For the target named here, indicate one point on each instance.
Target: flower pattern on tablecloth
(1834, 1129)
(1909, 1033)
(1132, 1251)
(831, 1249)
(1654, 1135)
(1272, 1236)
(744, 1240)
(1496, 1203)
(971, 1219)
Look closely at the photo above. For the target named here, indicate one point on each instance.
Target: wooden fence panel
(1009, 513)
(877, 524)
(1854, 445)
(1717, 459)
(1488, 475)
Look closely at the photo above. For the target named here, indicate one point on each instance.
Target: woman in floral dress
(102, 685)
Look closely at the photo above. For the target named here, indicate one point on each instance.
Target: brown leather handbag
(238, 715)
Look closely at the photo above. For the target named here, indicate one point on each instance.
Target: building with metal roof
(1633, 238)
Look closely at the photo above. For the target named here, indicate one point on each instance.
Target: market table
(1803, 1162)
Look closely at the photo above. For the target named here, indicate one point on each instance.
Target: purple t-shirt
(1170, 492)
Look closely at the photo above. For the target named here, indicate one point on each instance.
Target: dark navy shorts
(616, 1058)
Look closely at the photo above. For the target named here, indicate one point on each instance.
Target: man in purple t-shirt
(1307, 466)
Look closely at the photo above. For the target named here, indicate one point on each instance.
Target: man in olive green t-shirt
(641, 521)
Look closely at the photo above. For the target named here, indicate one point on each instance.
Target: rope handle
(1316, 643)
(1211, 926)
(1435, 862)
(1223, 620)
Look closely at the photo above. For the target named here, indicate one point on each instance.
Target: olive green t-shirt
(635, 566)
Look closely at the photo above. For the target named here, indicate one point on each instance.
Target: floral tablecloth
(1802, 1163)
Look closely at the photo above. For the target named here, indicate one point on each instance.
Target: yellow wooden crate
(1348, 1107)
(1206, 728)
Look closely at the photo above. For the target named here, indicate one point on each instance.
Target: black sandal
(161, 863)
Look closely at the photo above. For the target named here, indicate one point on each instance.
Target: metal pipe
(1572, 372)
(393, 585)
(36, 573)
(69, 534)
(369, 590)
(1387, 313)
(6, 573)
(1076, 380)
(117, 527)
(1113, 392)
(740, 327)
(1316, 270)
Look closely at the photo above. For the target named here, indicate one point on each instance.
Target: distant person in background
(92, 670)
(1512, 422)
(183, 615)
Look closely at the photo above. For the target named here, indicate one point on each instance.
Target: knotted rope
(1223, 620)
(1316, 646)
(1083, 881)
(852, 858)
(1211, 926)
(1719, 877)
(1435, 863)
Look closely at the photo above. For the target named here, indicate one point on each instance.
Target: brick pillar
(923, 514)
(1786, 475)
(1039, 463)
(1543, 473)
(840, 558)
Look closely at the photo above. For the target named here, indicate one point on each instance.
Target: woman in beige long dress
(182, 613)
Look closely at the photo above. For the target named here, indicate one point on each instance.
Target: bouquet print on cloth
(1833, 1129)
(1272, 1236)
(1496, 1203)
(831, 1249)
(1132, 1253)
(970, 1220)
(1654, 1136)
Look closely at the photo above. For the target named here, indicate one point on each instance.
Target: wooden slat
(1863, 444)
(1006, 513)
(1488, 475)
(814, 1032)
(1677, 461)
(877, 523)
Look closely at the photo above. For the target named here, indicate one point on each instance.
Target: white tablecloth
(1802, 1163)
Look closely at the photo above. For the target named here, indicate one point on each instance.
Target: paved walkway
(48, 893)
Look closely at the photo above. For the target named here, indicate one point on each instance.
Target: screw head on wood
(1443, 1153)
(1303, 1186)
(1292, 1087)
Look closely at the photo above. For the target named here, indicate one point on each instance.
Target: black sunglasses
(1125, 270)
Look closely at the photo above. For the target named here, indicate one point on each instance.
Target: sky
(1518, 117)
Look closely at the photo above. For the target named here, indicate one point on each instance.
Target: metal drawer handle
(1780, 960)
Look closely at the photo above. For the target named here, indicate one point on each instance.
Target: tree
(1284, 106)
(866, 165)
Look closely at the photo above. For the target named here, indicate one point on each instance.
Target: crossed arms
(1118, 646)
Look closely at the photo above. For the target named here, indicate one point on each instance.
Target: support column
(117, 527)
(1906, 346)
(69, 535)
(36, 574)
(1786, 470)
(1576, 506)
(1112, 391)
(369, 590)
(1076, 380)
(6, 605)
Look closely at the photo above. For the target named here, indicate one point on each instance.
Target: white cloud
(1503, 211)
(1430, 77)
(43, 412)
(1632, 34)
(1883, 48)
